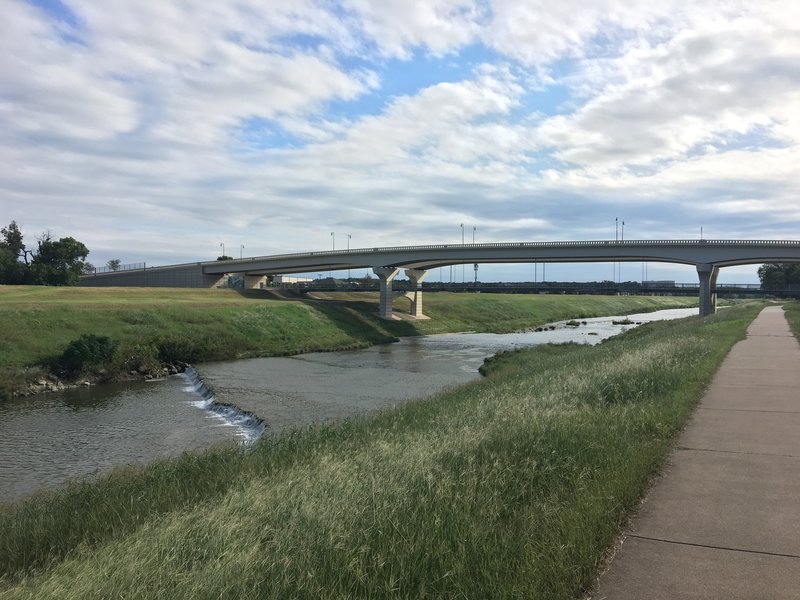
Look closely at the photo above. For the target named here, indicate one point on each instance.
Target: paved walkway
(724, 521)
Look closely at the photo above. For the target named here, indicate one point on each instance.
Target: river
(48, 439)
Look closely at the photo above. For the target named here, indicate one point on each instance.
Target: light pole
(462, 243)
(348, 249)
(222, 245)
(333, 242)
(622, 239)
(474, 229)
(241, 251)
(616, 239)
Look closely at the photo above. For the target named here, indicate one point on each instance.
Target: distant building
(288, 279)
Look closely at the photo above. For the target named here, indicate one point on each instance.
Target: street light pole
(474, 229)
(348, 249)
(241, 251)
(622, 239)
(462, 243)
(222, 245)
(616, 239)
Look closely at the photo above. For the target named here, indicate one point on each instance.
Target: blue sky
(155, 131)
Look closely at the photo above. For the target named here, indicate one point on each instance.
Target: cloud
(193, 121)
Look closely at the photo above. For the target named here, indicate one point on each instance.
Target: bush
(86, 353)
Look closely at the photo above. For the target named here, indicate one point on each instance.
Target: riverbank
(151, 328)
(513, 486)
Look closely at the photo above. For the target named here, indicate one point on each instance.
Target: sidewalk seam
(752, 410)
(735, 452)
(712, 547)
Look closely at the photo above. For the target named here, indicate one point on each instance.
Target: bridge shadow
(356, 317)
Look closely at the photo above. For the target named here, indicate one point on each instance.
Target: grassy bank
(792, 312)
(150, 326)
(502, 313)
(513, 486)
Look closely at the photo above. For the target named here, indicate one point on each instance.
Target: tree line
(777, 275)
(53, 262)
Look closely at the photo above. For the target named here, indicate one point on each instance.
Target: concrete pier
(385, 276)
(416, 276)
(708, 288)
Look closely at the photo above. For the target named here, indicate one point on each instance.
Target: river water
(49, 439)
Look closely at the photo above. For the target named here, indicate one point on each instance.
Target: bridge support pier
(253, 282)
(708, 288)
(416, 276)
(386, 275)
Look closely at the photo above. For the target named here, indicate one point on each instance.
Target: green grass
(37, 323)
(792, 312)
(510, 487)
(502, 313)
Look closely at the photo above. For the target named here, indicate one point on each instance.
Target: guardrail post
(386, 275)
(708, 288)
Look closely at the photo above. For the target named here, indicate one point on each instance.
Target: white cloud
(203, 121)
(52, 86)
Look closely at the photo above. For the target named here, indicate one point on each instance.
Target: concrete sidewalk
(724, 520)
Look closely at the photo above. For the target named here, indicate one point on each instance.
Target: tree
(12, 241)
(773, 275)
(223, 257)
(12, 249)
(113, 264)
(56, 262)
(59, 262)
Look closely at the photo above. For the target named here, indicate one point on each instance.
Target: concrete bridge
(708, 256)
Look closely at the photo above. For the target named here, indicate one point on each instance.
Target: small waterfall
(249, 427)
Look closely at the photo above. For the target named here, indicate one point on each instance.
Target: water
(48, 439)
(301, 390)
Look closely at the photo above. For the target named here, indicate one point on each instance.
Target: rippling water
(300, 390)
(48, 439)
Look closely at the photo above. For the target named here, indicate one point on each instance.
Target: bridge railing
(565, 244)
(128, 267)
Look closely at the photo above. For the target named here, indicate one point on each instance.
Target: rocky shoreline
(51, 382)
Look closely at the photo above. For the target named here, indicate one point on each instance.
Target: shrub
(87, 352)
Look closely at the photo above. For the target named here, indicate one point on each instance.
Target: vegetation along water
(137, 330)
(511, 486)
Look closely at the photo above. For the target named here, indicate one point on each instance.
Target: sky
(155, 131)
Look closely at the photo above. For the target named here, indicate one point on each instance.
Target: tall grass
(510, 487)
